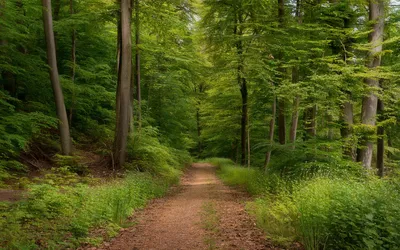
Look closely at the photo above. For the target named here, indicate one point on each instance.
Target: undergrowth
(325, 211)
(55, 217)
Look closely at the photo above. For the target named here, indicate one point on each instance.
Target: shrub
(62, 217)
(322, 212)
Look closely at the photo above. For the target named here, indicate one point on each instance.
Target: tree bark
(125, 73)
(271, 134)
(370, 102)
(244, 93)
(281, 122)
(346, 130)
(73, 60)
(137, 71)
(54, 77)
(242, 82)
(310, 122)
(381, 141)
(248, 145)
(295, 121)
(281, 102)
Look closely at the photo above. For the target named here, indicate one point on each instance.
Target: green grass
(323, 212)
(210, 222)
(54, 217)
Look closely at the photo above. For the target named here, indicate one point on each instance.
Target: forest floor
(202, 213)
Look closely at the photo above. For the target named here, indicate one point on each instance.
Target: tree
(370, 102)
(137, 68)
(123, 95)
(55, 80)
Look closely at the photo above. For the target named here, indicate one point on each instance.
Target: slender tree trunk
(296, 104)
(122, 130)
(137, 71)
(73, 60)
(346, 130)
(281, 102)
(119, 47)
(199, 146)
(55, 81)
(248, 144)
(310, 122)
(243, 91)
(370, 102)
(381, 141)
(242, 82)
(281, 122)
(295, 121)
(271, 134)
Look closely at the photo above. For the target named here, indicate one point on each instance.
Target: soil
(176, 222)
(10, 195)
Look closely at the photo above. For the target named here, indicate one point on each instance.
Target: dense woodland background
(302, 92)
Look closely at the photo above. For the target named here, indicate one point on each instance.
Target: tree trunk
(381, 141)
(137, 71)
(119, 47)
(243, 91)
(295, 121)
(370, 102)
(310, 122)
(281, 122)
(346, 130)
(281, 102)
(248, 145)
(271, 134)
(199, 145)
(243, 87)
(296, 104)
(125, 73)
(73, 60)
(55, 81)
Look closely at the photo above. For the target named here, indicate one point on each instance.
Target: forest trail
(202, 214)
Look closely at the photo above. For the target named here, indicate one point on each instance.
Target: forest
(105, 104)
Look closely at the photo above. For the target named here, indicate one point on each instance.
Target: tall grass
(323, 212)
(61, 217)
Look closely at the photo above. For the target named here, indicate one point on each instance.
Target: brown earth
(178, 220)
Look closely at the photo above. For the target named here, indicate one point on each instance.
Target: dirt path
(202, 214)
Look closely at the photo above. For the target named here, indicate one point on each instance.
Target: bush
(149, 155)
(322, 212)
(62, 217)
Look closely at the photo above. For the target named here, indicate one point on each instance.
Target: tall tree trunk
(125, 73)
(54, 77)
(310, 124)
(137, 71)
(346, 130)
(243, 90)
(370, 102)
(381, 141)
(242, 82)
(248, 144)
(281, 102)
(73, 60)
(199, 145)
(281, 122)
(119, 47)
(296, 104)
(271, 134)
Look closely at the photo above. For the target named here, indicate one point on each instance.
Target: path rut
(176, 222)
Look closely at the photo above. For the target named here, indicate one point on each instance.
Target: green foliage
(323, 213)
(62, 217)
(313, 158)
(149, 155)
